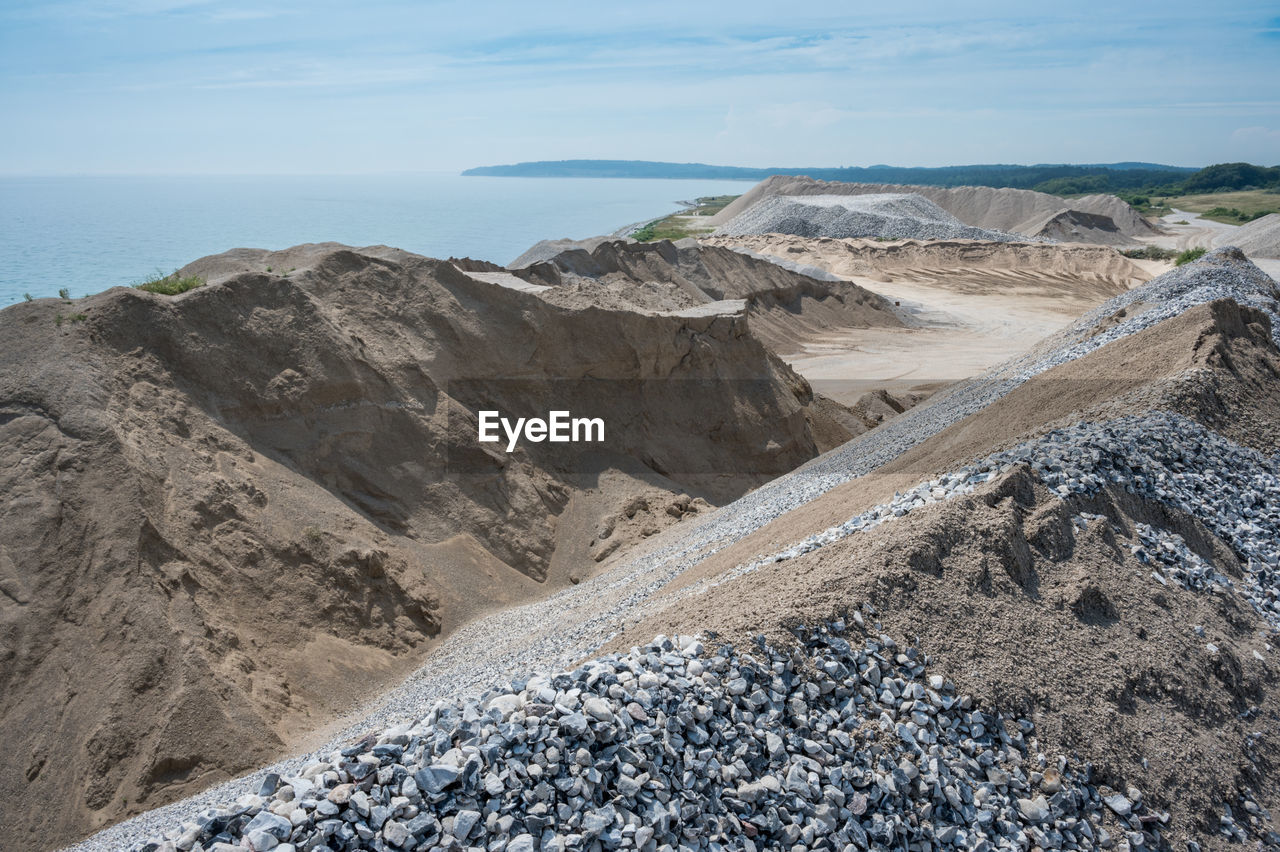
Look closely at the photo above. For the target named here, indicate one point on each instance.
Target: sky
(192, 87)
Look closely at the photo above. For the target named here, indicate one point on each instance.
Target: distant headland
(1067, 178)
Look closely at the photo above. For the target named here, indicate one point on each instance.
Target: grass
(60, 319)
(1233, 208)
(677, 226)
(169, 285)
(1188, 256)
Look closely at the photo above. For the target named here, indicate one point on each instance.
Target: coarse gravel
(835, 744)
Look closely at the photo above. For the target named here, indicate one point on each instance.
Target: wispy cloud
(740, 82)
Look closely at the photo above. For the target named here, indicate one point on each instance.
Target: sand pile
(782, 306)
(890, 216)
(1076, 226)
(237, 513)
(1033, 214)
(1259, 238)
(1083, 542)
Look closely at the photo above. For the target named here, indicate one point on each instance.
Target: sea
(86, 234)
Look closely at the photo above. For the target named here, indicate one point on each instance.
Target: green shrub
(169, 285)
(26, 297)
(1188, 256)
(64, 293)
(1234, 213)
(1150, 253)
(645, 234)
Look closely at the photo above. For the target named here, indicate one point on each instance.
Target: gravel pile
(890, 215)
(831, 745)
(1232, 490)
(576, 622)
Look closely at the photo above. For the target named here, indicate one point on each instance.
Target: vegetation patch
(1234, 214)
(1150, 253)
(171, 284)
(677, 226)
(1188, 256)
(1232, 208)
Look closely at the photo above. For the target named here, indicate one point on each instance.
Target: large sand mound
(783, 306)
(1076, 226)
(234, 514)
(1259, 238)
(1013, 210)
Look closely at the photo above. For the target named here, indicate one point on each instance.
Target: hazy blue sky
(165, 86)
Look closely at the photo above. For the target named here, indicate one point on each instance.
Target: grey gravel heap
(896, 216)
(1232, 490)
(832, 745)
(1171, 559)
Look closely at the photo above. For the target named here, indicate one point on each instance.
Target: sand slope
(1259, 238)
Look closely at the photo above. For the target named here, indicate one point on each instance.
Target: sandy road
(1197, 233)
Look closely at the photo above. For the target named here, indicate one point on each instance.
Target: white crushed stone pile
(843, 746)
(887, 215)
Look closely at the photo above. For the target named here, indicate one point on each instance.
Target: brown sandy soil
(1025, 610)
(185, 475)
(969, 305)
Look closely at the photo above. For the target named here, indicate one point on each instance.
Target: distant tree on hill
(1226, 177)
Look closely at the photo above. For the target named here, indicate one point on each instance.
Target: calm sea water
(90, 233)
